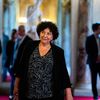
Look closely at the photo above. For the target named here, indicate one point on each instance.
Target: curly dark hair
(47, 24)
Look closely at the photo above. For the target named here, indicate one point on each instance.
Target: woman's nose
(45, 34)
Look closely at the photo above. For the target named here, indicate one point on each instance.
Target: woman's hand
(16, 86)
(16, 91)
(68, 94)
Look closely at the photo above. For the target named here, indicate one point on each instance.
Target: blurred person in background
(9, 58)
(20, 44)
(93, 52)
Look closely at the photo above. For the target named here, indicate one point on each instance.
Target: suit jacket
(60, 75)
(9, 53)
(91, 49)
(20, 50)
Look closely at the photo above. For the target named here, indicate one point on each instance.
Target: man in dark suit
(93, 52)
(24, 39)
(19, 46)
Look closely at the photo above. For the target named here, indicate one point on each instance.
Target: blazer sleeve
(21, 64)
(65, 75)
(19, 56)
(18, 64)
(61, 76)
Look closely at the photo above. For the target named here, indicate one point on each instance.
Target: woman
(42, 74)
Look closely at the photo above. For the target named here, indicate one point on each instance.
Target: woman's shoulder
(57, 48)
(34, 41)
(32, 44)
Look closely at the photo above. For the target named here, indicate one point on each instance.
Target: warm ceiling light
(45, 19)
(22, 20)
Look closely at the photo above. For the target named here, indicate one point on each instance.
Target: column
(66, 33)
(9, 15)
(83, 30)
(5, 38)
(74, 20)
(59, 23)
(12, 15)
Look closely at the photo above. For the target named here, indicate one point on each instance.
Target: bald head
(21, 30)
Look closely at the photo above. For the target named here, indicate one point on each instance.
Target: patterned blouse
(40, 75)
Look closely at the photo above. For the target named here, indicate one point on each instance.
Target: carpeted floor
(83, 98)
(75, 98)
(4, 98)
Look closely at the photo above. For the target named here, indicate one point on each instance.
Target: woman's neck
(44, 48)
(44, 45)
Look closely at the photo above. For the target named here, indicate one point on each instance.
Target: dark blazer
(91, 49)
(20, 50)
(60, 75)
(9, 53)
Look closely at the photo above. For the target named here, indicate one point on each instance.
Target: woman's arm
(68, 94)
(16, 86)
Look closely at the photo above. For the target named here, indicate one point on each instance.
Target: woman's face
(46, 36)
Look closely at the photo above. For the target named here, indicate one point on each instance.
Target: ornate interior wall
(48, 8)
